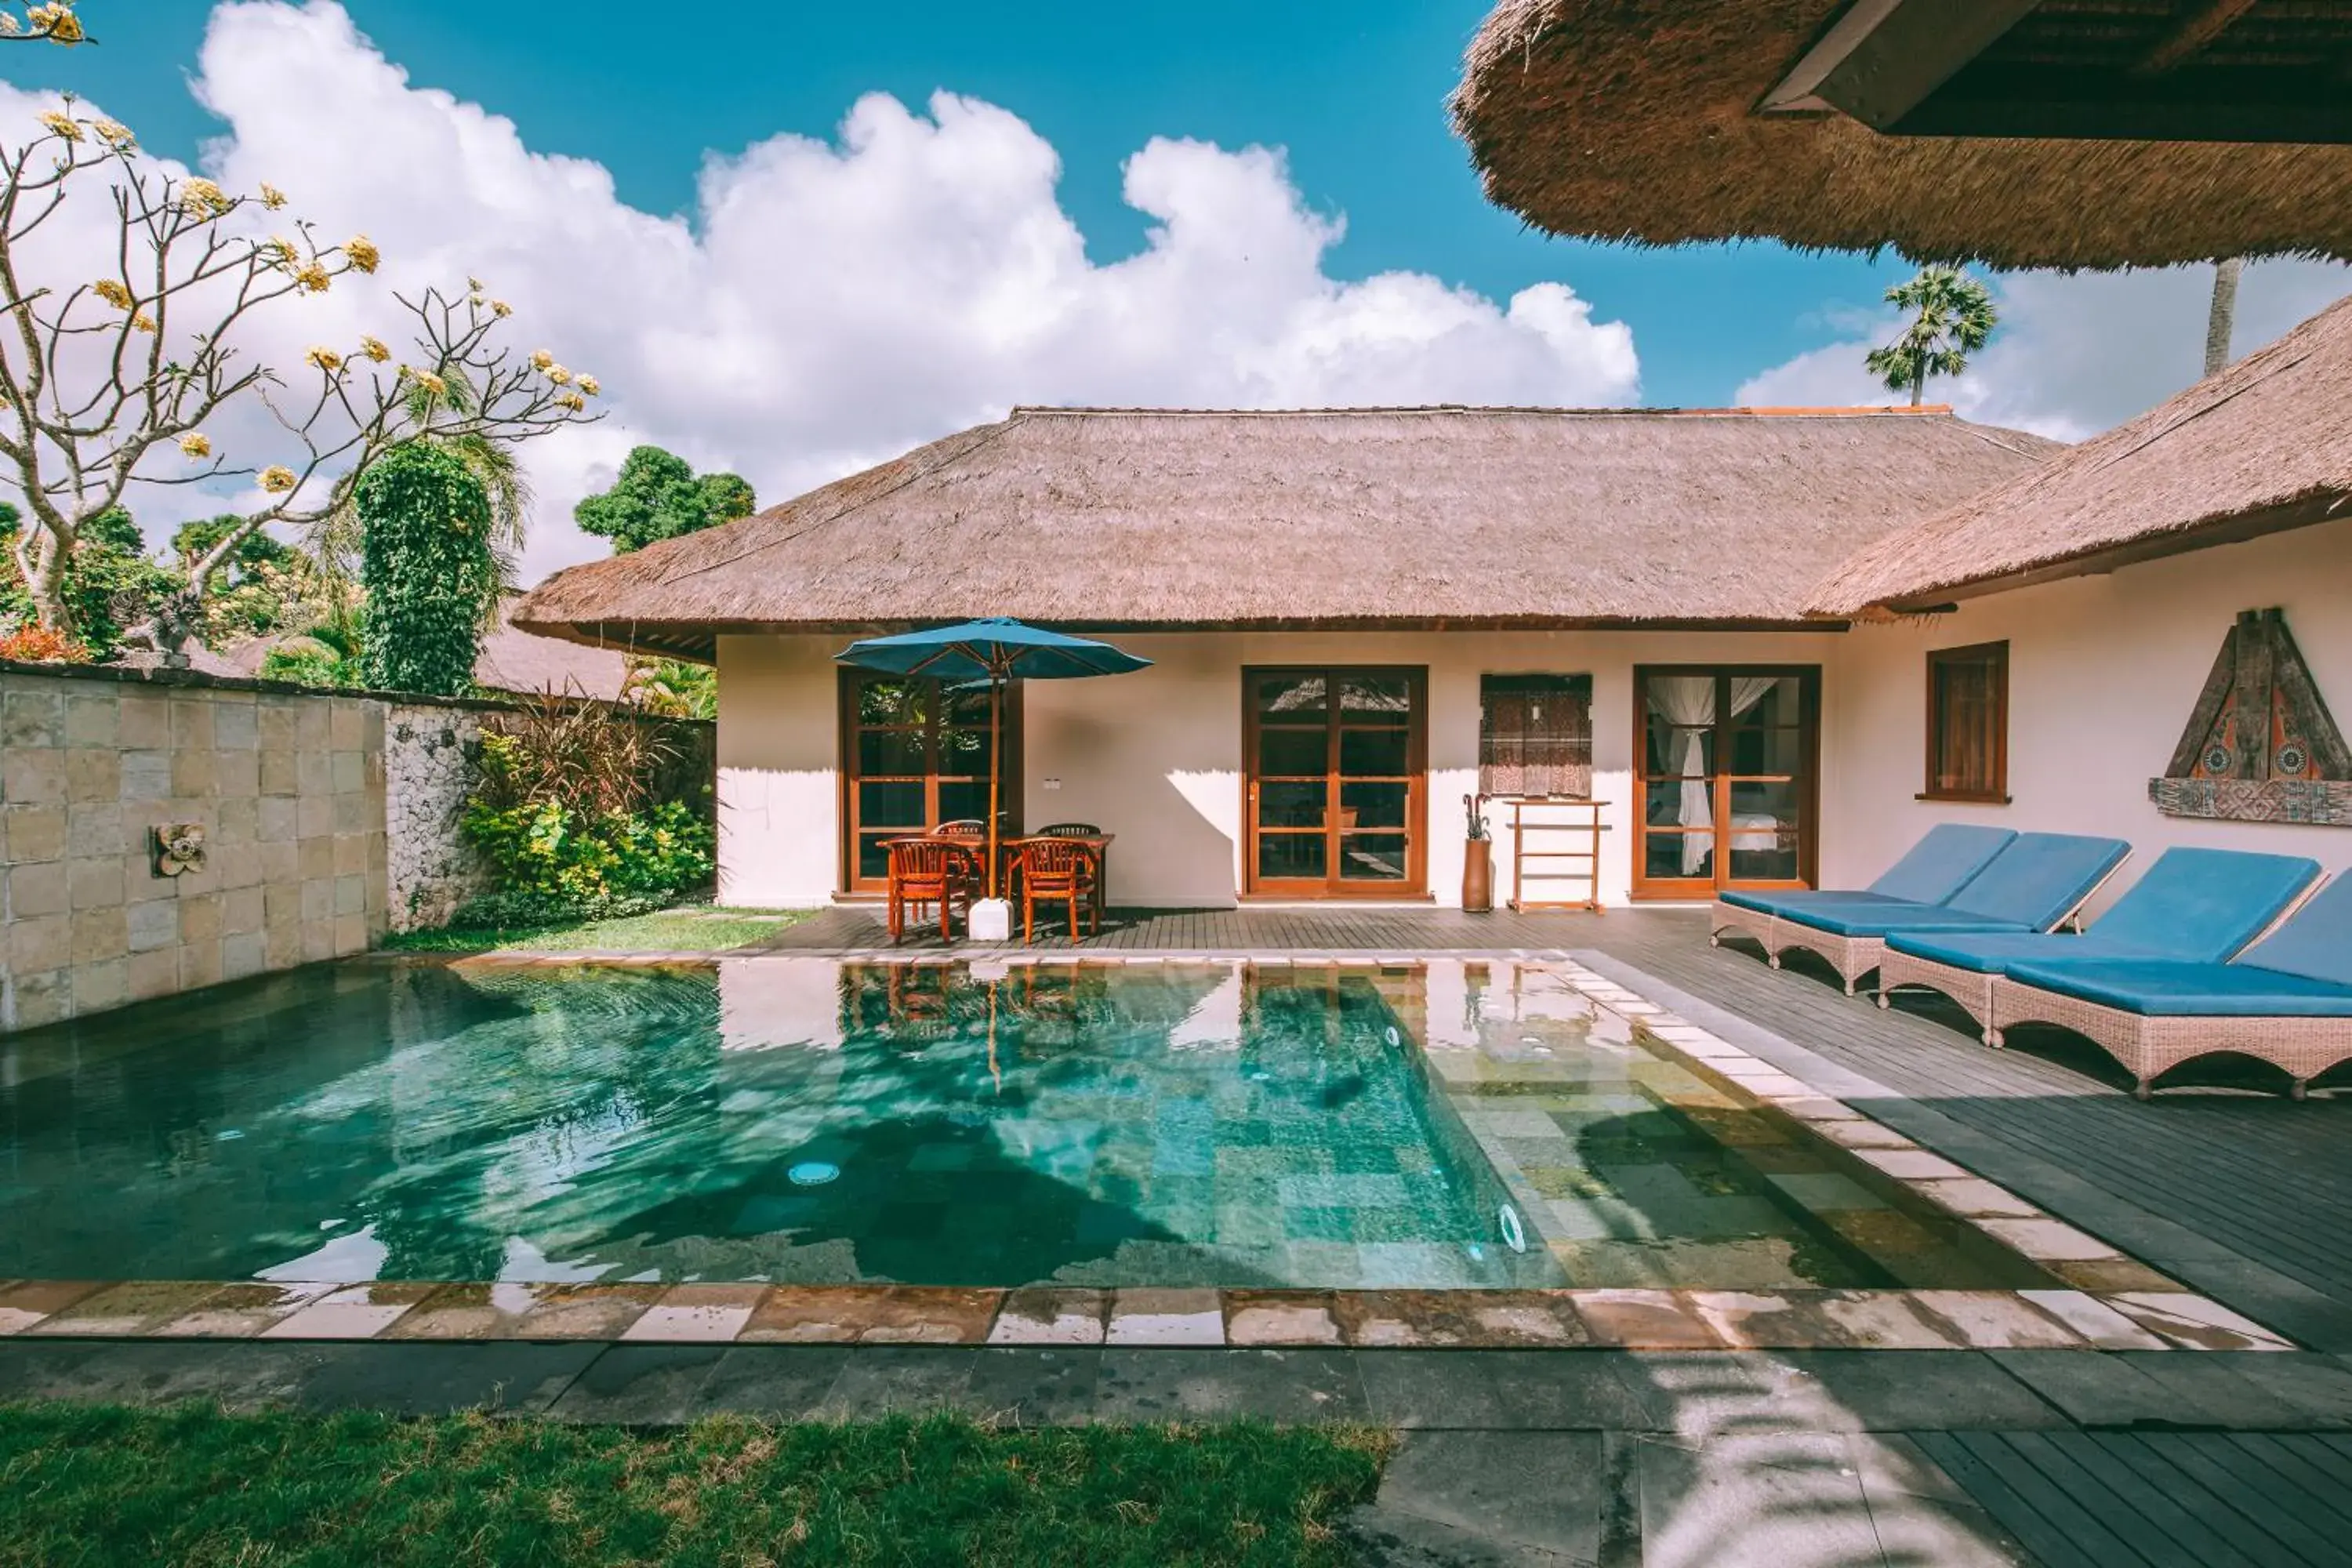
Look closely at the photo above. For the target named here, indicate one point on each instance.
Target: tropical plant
(672, 688)
(1952, 315)
(659, 496)
(427, 568)
(109, 583)
(326, 653)
(106, 377)
(40, 644)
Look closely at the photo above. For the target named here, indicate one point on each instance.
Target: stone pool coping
(2105, 1301)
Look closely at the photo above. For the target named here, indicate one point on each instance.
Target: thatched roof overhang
(2263, 446)
(1142, 521)
(2017, 133)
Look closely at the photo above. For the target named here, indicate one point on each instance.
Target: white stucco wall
(2103, 673)
(1156, 757)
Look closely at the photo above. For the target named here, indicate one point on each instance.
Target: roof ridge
(1028, 410)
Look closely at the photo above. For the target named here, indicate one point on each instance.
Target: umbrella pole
(995, 751)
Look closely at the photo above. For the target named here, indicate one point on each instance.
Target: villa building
(1771, 644)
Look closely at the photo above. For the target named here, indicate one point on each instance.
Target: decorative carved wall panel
(2261, 745)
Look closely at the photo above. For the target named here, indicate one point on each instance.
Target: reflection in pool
(775, 1118)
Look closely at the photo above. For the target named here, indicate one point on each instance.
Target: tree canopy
(1952, 314)
(659, 496)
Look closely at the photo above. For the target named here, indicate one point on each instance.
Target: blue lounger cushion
(2041, 878)
(2194, 906)
(2316, 944)
(2030, 886)
(2163, 988)
(1942, 863)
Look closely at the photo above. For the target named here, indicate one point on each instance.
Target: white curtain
(1687, 703)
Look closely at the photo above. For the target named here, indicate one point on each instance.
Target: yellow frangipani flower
(196, 443)
(501, 309)
(58, 22)
(429, 382)
(64, 125)
(558, 374)
(573, 401)
(374, 348)
(112, 292)
(271, 196)
(325, 359)
(277, 478)
(278, 251)
(115, 135)
(143, 322)
(199, 197)
(541, 359)
(589, 384)
(313, 278)
(362, 253)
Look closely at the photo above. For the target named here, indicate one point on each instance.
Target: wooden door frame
(1415, 885)
(848, 679)
(1808, 846)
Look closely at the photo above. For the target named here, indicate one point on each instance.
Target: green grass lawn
(688, 928)
(194, 1486)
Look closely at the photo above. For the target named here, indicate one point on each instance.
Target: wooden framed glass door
(1727, 780)
(1336, 760)
(915, 755)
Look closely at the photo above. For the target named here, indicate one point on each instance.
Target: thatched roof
(1640, 120)
(1141, 519)
(2266, 444)
(511, 660)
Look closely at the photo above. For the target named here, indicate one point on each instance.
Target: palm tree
(1952, 315)
(2222, 318)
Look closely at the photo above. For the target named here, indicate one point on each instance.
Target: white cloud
(2075, 353)
(833, 303)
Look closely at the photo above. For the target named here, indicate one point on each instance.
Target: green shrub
(583, 865)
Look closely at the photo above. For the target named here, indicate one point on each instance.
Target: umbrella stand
(995, 753)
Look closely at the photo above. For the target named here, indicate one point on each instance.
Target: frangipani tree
(158, 368)
(54, 23)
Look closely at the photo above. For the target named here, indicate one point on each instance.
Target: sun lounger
(2196, 906)
(2035, 883)
(1935, 868)
(2287, 1000)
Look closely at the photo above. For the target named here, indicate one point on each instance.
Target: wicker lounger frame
(1971, 988)
(2302, 1047)
(1854, 956)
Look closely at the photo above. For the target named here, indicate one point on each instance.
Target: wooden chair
(925, 871)
(1069, 830)
(962, 828)
(1056, 868)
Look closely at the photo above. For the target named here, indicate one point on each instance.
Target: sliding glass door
(1727, 760)
(1335, 781)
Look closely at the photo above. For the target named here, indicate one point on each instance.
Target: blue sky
(795, 240)
(1355, 94)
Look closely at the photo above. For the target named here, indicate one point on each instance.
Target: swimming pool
(806, 1120)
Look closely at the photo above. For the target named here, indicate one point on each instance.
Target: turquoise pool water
(790, 1119)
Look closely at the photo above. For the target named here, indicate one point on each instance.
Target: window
(1967, 723)
(1534, 735)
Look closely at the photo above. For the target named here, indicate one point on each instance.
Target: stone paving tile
(26, 1302)
(1877, 1320)
(1644, 1320)
(1539, 1319)
(1036, 1385)
(243, 1376)
(774, 1382)
(1476, 1498)
(2100, 1325)
(438, 1378)
(1280, 1318)
(891, 1379)
(2194, 1322)
(1995, 1320)
(1973, 1196)
(698, 1313)
(1925, 1391)
(1556, 1391)
(1181, 1383)
(528, 1311)
(2101, 1275)
(351, 1313)
(1398, 1319)
(125, 1310)
(1161, 1317)
(240, 1312)
(926, 1315)
(1051, 1317)
(640, 1385)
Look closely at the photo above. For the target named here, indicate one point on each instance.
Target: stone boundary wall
(329, 819)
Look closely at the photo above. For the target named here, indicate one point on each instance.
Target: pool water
(1452, 1124)
(779, 1119)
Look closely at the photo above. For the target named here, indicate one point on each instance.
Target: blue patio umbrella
(995, 652)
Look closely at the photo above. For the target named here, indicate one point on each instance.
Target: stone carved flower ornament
(179, 848)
